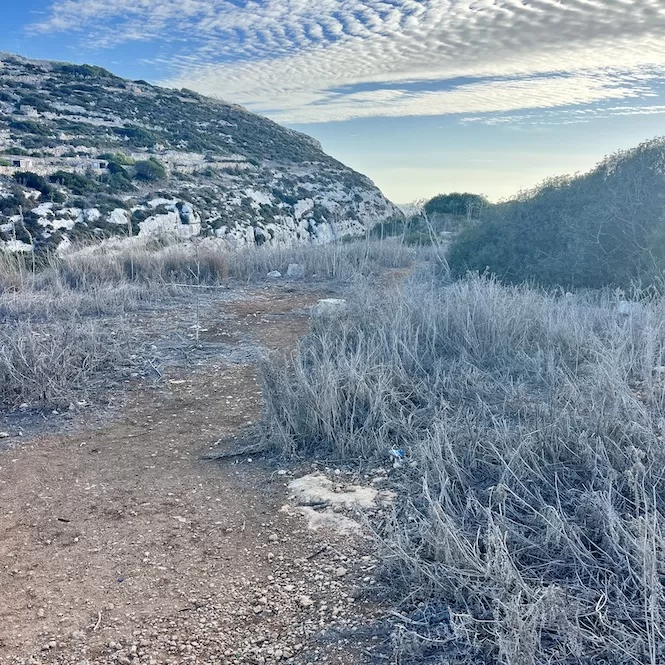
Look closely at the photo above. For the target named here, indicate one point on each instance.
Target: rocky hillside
(85, 153)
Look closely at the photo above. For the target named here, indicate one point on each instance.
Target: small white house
(22, 162)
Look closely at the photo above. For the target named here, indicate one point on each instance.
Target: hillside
(604, 227)
(85, 152)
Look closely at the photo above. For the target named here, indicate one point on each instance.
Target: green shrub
(118, 158)
(459, 204)
(83, 71)
(78, 185)
(149, 170)
(30, 127)
(32, 181)
(137, 136)
(602, 228)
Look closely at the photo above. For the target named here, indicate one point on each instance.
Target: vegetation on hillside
(151, 116)
(606, 227)
(244, 176)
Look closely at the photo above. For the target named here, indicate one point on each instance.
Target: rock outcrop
(86, 153)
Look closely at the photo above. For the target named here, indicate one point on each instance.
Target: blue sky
(424, 96)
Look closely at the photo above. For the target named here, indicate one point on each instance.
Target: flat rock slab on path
(121, 544)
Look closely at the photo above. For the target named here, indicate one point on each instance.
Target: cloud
(306, 61)
(567, 116)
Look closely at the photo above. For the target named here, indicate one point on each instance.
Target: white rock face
(119, 216)
(91, 215)
(302, 207)
(43, 209)
(171, 223)
(15, 246)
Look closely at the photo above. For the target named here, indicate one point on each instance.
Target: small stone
(330, 308)
(273, 537)
(305, 601)
(274, 274)
(341, 571)
(4, 435)
(295, 271)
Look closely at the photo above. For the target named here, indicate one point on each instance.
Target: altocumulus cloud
(328, 60)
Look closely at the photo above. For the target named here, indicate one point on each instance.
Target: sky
(423, 96)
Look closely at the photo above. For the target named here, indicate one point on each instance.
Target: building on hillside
(21, 162)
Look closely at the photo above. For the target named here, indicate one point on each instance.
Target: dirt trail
(122, 545)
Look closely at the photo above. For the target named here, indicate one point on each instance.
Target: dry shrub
(56, 363)
(531, 514)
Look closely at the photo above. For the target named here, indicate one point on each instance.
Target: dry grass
(58, 362)
(56, 313)
(211, 261)
(531, 515)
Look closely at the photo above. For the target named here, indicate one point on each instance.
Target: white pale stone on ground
(295, 270)
(330, 308)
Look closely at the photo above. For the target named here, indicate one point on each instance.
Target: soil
(121, 543)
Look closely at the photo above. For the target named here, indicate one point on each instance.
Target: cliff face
(83, 152)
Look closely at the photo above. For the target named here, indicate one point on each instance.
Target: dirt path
(122, 545)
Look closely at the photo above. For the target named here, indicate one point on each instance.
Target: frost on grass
(529, 525)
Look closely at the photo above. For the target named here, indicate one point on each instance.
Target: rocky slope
(84, 152)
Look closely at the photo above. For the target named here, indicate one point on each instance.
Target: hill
(83, 151)
(605, 227)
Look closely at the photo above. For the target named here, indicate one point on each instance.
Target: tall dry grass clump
(154, 260)
(56, 363)
(529, 525)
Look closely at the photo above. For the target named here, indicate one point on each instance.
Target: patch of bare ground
(120, 544)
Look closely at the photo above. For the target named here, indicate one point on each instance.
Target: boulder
(295, 271)
(330, 308)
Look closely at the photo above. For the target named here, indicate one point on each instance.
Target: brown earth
(121, 543)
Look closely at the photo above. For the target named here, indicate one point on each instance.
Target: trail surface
(120, 544)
